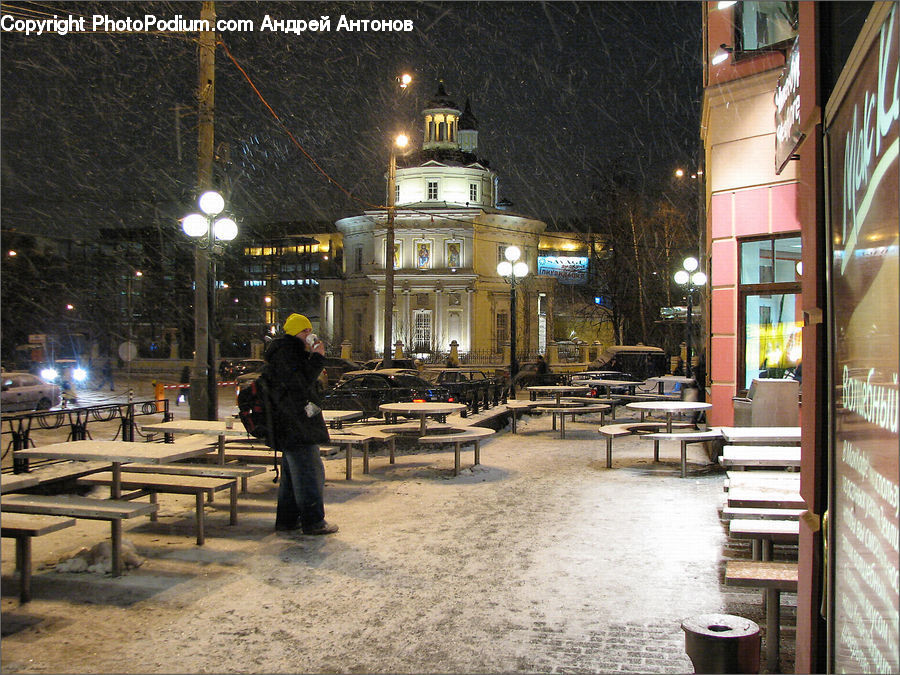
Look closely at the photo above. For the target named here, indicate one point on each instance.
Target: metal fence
(18, 428)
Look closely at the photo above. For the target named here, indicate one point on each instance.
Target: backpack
(255, 411)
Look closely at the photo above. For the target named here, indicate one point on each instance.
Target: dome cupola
(468, 130)
(441, 122)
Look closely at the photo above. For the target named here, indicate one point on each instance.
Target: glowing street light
(512, 269)
(206, 229)
(692, 280)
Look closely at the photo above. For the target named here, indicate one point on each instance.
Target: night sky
(561, 91)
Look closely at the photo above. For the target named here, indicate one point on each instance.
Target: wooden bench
(767, 499)
(151, 484)
(776, 481)
(347, 441)
(24, 526)
(764, 534)
(739, 456)
(242, 472)
(517, 406)
(89, 508)
(732, 512)
(250, 454)
(458, 438)
(684, 438)
(773, 577)
(577, 410)
(611, 431)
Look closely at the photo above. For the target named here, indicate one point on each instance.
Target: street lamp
(400, 141)
(205, 228)
(511, 269)
(692, 280)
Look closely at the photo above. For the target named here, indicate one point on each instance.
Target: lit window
(762, 25)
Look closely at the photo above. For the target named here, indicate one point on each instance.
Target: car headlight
(80, 374)
(49, 374)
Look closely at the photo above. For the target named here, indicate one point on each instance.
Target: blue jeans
(302, 486)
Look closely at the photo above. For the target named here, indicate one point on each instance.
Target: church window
(422, 336)
(432, 190)
(473, 193)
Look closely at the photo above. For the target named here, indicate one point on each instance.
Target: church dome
(440, 99)
(467, 119)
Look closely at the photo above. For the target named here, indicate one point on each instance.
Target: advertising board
(862, 124)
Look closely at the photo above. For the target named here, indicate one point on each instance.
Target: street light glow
(225, 229)
(682, 277)
(504, 268)
(404, 80)
(698, 279)
(512, 253)
(520, 269)
(690, 264)
(401, 141)
(211, 203)
(679, 173)
(195, 225)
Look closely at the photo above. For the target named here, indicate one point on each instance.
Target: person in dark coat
(292, 370)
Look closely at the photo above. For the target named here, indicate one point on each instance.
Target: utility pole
(203, 398)
(389, 262)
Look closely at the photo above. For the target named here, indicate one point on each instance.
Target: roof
(467, 119)
(440, 99)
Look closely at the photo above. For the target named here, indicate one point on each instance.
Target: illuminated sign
(787, 111)
(568, 269)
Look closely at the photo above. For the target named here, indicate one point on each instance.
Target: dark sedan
(367, 391)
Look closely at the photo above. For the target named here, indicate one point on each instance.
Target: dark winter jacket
(292, 371)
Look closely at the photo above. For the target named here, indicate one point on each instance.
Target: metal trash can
(722, 643)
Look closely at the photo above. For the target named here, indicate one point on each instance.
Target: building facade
(800, 127)
(450, 232)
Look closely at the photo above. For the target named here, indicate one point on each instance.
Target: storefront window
(771, 310)
(761, 25)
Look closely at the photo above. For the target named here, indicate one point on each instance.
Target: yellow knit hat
(296, 324)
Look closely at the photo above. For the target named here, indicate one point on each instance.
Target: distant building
(450, 233)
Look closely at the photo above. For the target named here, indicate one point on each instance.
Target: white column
(378, 323)
(467, 327)
(440, 310)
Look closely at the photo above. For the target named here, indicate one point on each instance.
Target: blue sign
(568, 269)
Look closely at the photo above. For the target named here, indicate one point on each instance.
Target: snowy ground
(538, 560)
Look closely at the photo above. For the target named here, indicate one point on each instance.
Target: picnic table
(421, 410)
(662, 380)
(557, 390)
(669, 408)
(117, 453)
(219, 428)
(764, 435)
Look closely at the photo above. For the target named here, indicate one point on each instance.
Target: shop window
(771, 313)
(764, 25)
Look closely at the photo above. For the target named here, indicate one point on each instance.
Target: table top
(341, 415)
(761, 434)
(112, 451)
(427, 408)
(209, 427)
(616, 383)
(680, 379)
(561, 388)
(594, 373)
(669, 406)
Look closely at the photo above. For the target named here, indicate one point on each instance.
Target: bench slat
(215, 470)
(781, 576)
(783, 531)
(732, 512)
(76, 507)
(164, 481)
(32, 524)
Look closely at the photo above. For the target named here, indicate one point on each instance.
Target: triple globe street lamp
(512, 269)
(206, 229)
(692, 280)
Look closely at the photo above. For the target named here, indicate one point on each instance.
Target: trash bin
(722, 643)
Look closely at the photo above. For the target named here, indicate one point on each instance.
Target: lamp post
(512, 269)
(691, 280)
(399, 142)
(206, 229)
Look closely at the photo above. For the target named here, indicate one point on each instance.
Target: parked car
(336, 368)
(472, 386)
(528, 376)
(368, 390)
(246, 367)
(378, 364)
(639, 361)
(22, 390)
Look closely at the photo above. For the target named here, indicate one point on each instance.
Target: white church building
(449, 236)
